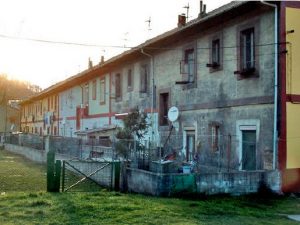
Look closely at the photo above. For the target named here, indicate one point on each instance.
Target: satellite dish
(173, 114)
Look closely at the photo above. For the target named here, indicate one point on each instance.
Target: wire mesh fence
(27, 140)
(220, 153)
(201, 153)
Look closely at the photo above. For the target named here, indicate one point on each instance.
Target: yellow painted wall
(293, 87)
(293, 56)
(293, 136)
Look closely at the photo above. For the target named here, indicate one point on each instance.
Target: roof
(151, 44)
(96, 130)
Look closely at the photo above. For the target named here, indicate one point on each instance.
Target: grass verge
(20, 174)
(34, 206)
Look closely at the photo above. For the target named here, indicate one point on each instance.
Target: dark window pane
(247, 49)
(129, 79)
(189, 59)
(118, 85)
(216, 51)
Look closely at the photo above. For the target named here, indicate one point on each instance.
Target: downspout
(109, 97)
(275, 135)
(58, 114)
(81, 117)
(153, 87)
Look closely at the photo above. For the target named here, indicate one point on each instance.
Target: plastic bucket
(186, 169)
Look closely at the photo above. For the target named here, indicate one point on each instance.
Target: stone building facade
(220, 71)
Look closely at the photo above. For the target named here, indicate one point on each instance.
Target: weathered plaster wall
(237, 183)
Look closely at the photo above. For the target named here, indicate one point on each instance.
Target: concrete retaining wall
(236, 183)
(30, 153)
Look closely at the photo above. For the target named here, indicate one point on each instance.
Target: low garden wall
(235, 183)
(30, 153)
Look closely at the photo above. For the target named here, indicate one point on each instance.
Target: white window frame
(241, 125)
(185, 132)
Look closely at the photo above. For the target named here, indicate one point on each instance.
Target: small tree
(135, 127)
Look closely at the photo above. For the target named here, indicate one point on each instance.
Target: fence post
(53, 172)
(63, 177)
(47, 143)
(116, 166)
(57, 176)
(50, 171)
(20, 137)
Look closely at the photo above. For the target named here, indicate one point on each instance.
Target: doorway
(190, 145)
(248, 149)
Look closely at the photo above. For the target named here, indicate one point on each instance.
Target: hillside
(15, 89)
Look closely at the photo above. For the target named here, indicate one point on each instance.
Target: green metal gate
(84, 175)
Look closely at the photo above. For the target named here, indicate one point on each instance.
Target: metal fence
(219, 153)
(80, 175)
(26, 140)
(201, 153)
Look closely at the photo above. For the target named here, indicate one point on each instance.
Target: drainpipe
(109, 97)
(275, 80)
(81, 117)
(153, 86)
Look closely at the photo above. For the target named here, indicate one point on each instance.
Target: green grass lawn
(20, 174)
(104, 207)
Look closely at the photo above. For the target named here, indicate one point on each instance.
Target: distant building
(9, 117)
(232, 73)
(39, 114)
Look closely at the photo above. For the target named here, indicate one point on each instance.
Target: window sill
(246, 73)
(189, 85)
(214, 67)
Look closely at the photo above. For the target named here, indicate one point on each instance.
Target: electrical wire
(61, 42)
(121, 46)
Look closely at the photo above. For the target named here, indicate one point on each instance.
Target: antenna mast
(187, 7)
(149, 23)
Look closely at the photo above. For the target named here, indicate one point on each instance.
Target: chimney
(202, 10)
(101, 60)
(90, 63)
(181, 20)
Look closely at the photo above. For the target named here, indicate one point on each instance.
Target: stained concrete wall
(220, 96)
(216, 96)
(238, 183)
(30, 153)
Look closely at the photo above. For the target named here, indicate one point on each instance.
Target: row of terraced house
(232, 73)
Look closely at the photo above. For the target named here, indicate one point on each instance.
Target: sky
(108, 25)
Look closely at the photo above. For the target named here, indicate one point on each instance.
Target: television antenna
(187, 7)
(149, 23)
(125, 39)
